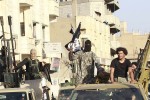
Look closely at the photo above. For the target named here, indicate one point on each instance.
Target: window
(34, 30)
(13, 96)
(22, 28)
(43, 29)
(107, 94)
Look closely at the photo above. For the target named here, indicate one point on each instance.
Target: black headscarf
(87, 47)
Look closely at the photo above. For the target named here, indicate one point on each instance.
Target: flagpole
(74, 8)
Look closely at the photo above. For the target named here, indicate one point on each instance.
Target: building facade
(97, 24)
(133, 41)
(30, 24)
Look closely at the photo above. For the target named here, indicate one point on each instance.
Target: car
(65, 92)
(17, 94)
(116, 91)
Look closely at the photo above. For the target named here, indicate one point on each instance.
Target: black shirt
(121, 69)
(32, 68)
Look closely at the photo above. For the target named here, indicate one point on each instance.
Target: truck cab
(17, 94)
(118, 91)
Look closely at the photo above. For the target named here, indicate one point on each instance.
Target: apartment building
(98, 23)
(30, 24)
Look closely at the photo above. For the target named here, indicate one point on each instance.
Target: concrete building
(30, 24)
(97, 24)
(133, 41)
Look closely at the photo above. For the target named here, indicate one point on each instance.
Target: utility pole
(74, 8)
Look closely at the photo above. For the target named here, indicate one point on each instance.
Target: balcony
(114, 23)
(53, 8)
(25, 4)
(114, 29)
(107, 1)
(113, 5)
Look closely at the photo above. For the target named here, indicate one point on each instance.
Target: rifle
(13, 53)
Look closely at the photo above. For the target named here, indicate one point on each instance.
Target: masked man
(86, 60)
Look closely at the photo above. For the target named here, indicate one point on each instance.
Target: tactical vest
(33, 70)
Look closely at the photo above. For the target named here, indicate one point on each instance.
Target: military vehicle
(119, 91)
(17, 94)
(9, 77)
(108, 92)
(65, 92)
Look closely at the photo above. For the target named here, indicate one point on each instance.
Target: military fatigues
(85, 66)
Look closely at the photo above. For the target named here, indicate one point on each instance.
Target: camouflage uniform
(85, 62)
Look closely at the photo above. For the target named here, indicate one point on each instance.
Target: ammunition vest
(33, 70)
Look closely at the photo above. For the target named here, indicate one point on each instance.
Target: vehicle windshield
(107, 94)
(64, 94)
(13, 96)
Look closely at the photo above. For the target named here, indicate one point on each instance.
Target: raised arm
(19, 65)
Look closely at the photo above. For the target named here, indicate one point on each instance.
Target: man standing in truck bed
(33, 73)
(86, 61)
(120, 66)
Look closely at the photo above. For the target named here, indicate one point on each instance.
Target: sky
(136, 13)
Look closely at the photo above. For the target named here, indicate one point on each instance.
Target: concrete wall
(92, 14)
(133, 43)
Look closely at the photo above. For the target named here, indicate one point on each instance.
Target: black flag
(76, 35)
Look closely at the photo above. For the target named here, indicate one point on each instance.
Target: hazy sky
(136, 13)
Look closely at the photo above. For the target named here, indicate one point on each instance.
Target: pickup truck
(108, 92)
(17, 94)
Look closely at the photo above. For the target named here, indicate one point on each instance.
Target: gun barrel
(13, 52)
